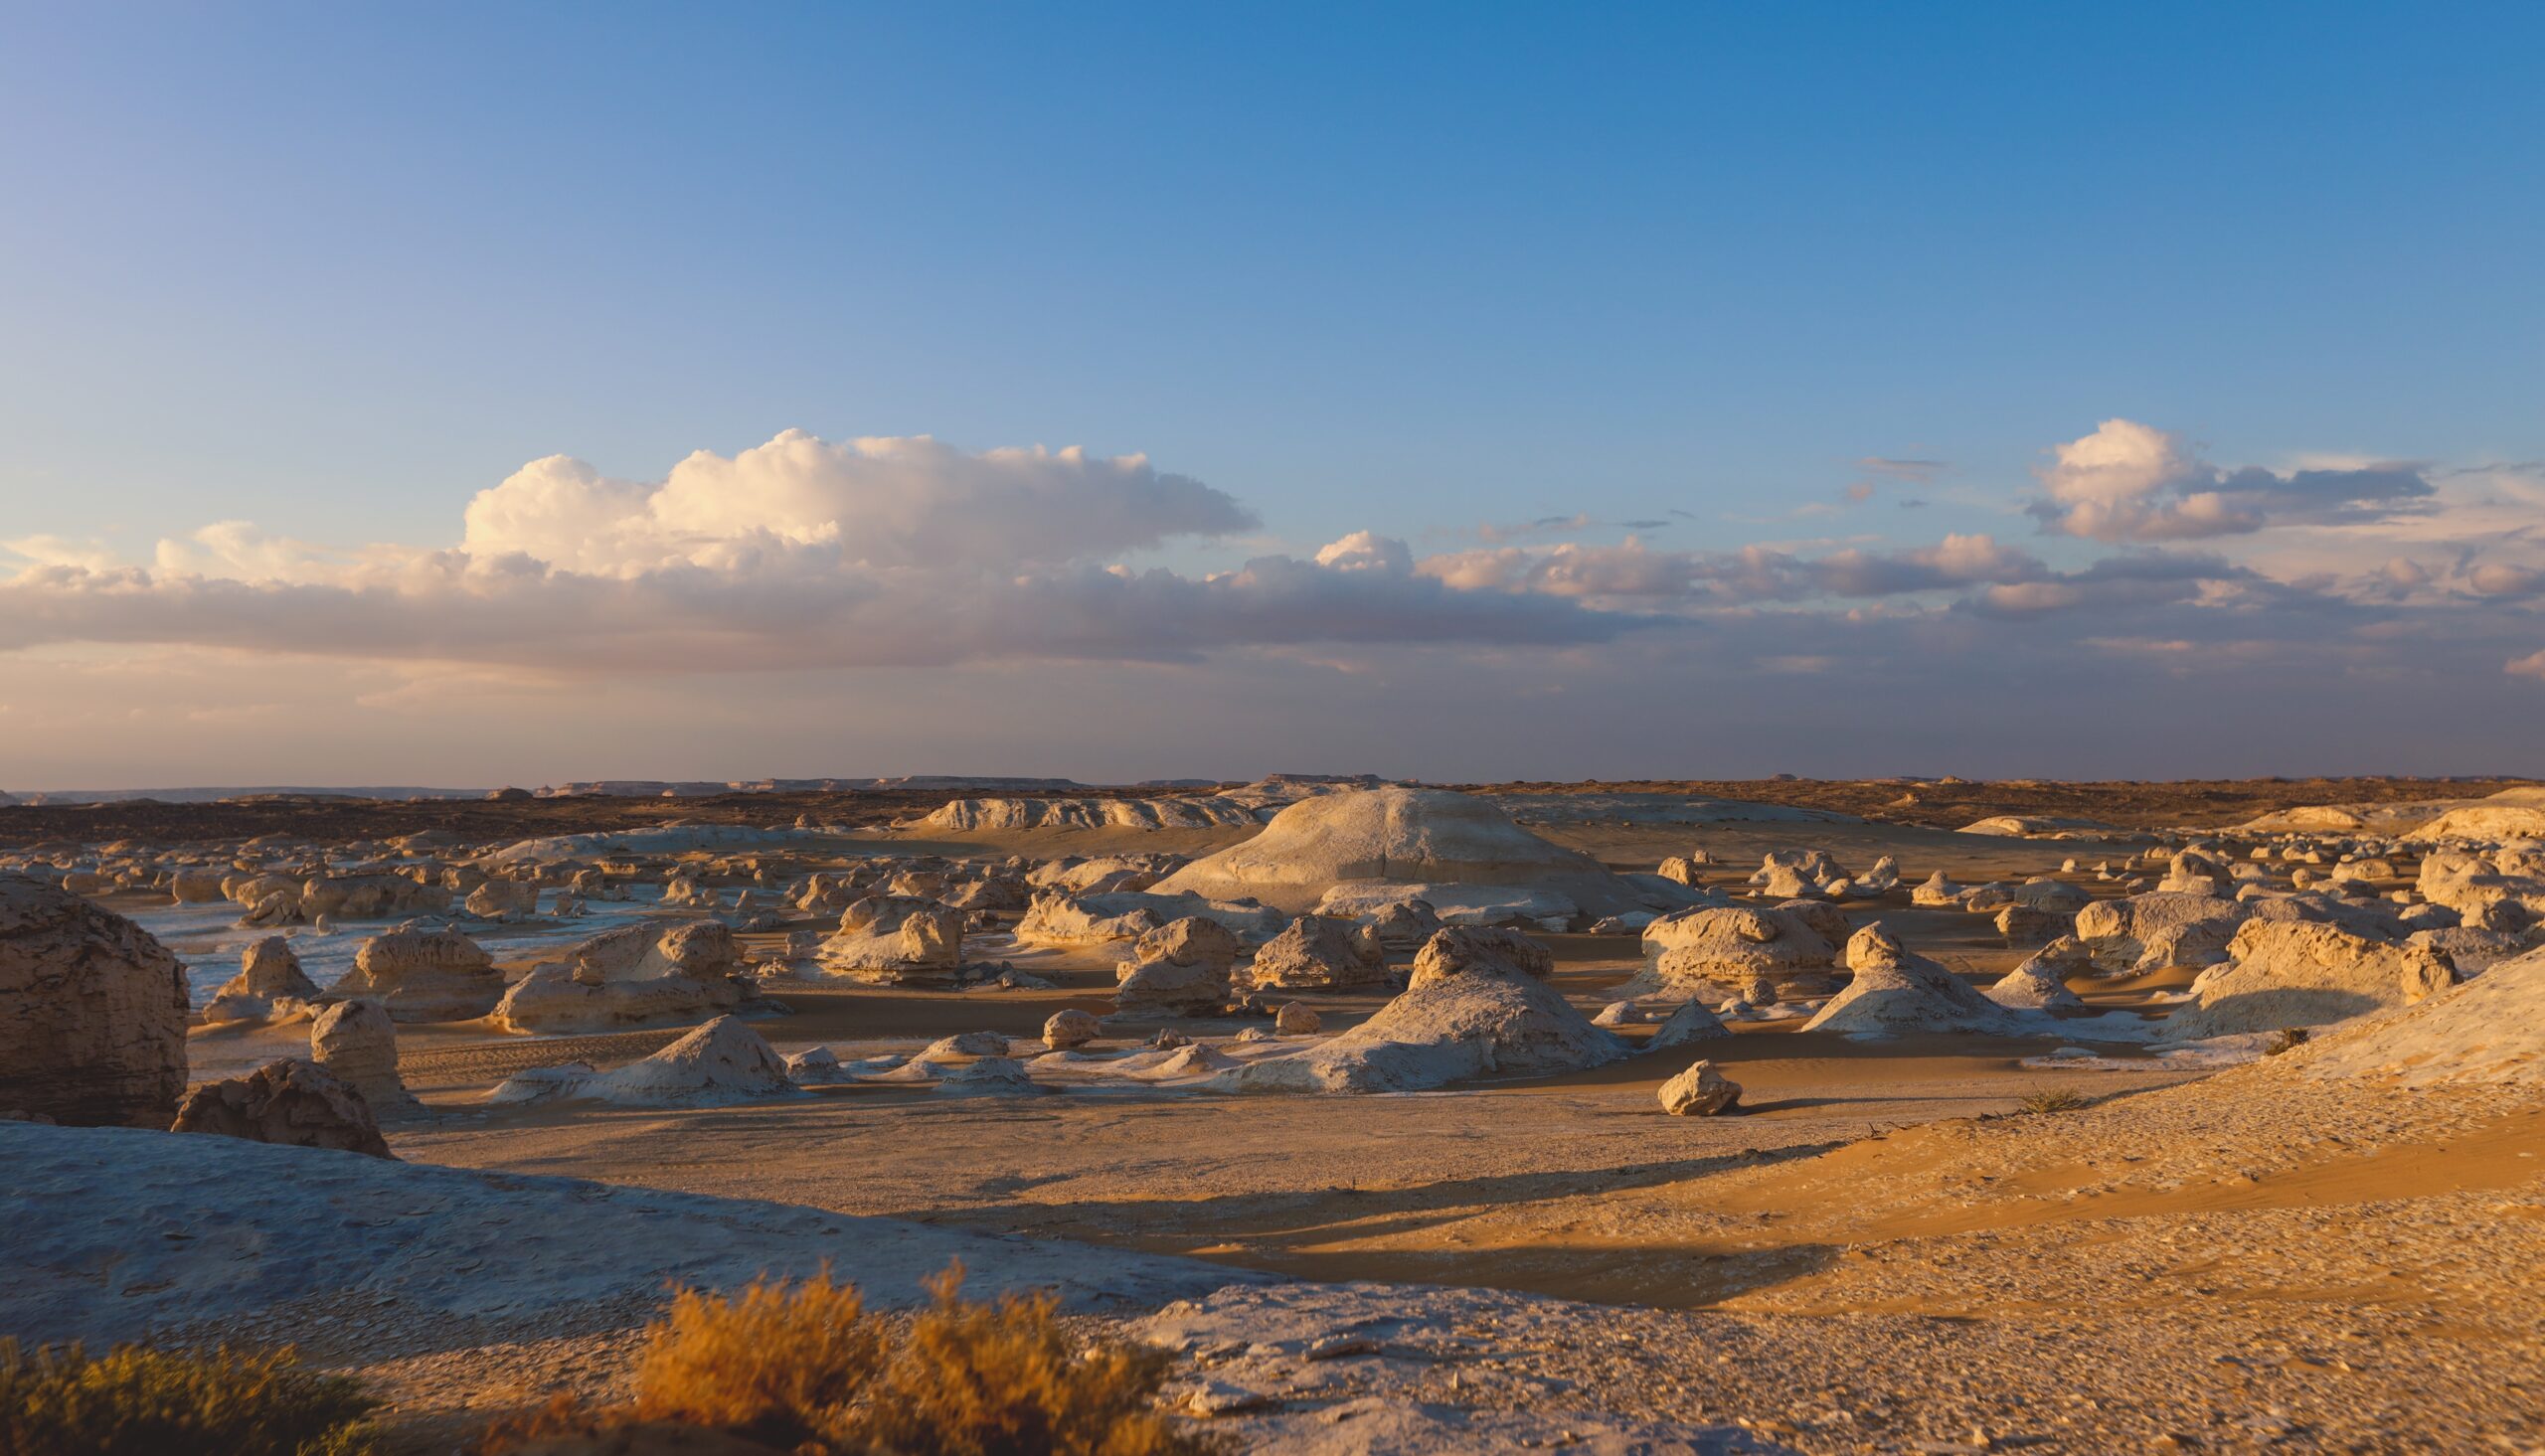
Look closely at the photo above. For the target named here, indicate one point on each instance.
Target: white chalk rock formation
(1700, 1091)
(270, 983)
(1692, 1021)
(1318, 954)
(2281, 974)
(991, 1077)
(2491, 1030)
(720, 1062)
(2148, 932)
(1060, 918)
(894, 939)
(634, 976)
(289, 1102)
(1896, 992)
(1478, 1005)
(357, 1042)
(93, 1013)
(1935, 891)
(1735, 950)
(1179, 968)
(2041, 982)
(1400, 835)
(1070, 1028)
(425, 974)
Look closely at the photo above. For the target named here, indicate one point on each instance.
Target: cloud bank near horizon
(804, 555)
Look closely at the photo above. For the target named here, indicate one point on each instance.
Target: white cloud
(2129, 481)
(881, 502)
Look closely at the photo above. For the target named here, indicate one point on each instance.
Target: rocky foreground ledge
(118, 1233)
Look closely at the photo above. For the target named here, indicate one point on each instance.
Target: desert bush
(806, 1367)
(136, 1402)
(2056, 1099)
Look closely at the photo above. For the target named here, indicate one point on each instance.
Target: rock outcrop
(2148, 932)
(893, 940)
(358, 1043)
(1318, 954)
(1181, 967)
(722, 1062)
(1749, 951)
(2281, 974)
(93, 1013)
(1896, 990)
(1396, 834)
(291, 1102)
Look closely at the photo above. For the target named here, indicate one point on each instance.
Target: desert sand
(2012, 1230)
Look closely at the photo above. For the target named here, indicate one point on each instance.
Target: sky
(477, 395)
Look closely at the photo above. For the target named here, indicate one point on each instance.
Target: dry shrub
(806, 1367)
(782, 1364)
(136, 1402)
(2056, 1099)
(1009, 1377)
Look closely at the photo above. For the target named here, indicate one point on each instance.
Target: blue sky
(1401, 269)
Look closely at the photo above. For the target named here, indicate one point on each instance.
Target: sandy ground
(1883, 1252)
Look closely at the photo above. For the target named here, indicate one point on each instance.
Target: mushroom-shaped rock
(1316, 953)
(1700, 1091)
(1070, 1028)
(2282, 974)
(295, 1103)
(358, 1043)
(1935, 891)
(425, 974)
(1896, 992)
(2041, 982)
(93, 1013)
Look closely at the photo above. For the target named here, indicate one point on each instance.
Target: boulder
(291, 1102)
(1297, 1019)
(377, 897)
(93, 1013)
(1318, 954)
(2024, 924)
(2282, 974)
(425, 974)
(358, 1043)
(1700, 1091)
(1071, 1029)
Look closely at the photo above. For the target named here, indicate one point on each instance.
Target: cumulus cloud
(2531, 666)
(800, 553)
(2129, 481)
(876, 501)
